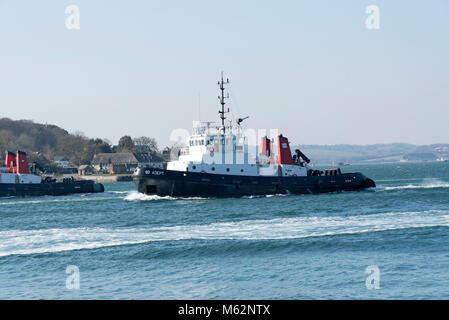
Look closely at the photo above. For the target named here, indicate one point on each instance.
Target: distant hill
(326, 154)
(43, 142)
(429, 153)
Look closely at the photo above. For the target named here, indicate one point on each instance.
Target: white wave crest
(14, 242)
(136, 196)
(264, 196)
(427, 184)
(120, 192)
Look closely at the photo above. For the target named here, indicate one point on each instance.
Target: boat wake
(427, 184)
(24, 242)
(136, 196)
(265, 196)
(51, 199)
(120, 192)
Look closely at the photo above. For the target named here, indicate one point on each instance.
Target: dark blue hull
(53, 188)
(190, 184)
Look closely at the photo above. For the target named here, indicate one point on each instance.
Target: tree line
(43, 142)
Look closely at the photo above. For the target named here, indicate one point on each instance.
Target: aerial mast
(222, 98)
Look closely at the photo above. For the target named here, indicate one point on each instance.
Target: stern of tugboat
(368, 183)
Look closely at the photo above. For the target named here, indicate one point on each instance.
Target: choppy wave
(15, 242)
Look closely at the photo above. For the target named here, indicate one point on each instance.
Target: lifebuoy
(211, 150)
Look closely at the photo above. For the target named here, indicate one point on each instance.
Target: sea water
(388, 242)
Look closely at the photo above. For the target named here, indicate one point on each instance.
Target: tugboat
(16, 179)
(217, 163)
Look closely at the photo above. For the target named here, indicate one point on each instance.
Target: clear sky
(309, 68)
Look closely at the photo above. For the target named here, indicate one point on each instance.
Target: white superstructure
(224, 149)
(10, 177)
(16, 170)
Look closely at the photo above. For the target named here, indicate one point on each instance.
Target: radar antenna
(240, 120)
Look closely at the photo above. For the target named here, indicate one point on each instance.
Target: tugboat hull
(163, 182)
(53, 189)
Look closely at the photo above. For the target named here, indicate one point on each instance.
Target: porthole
(193, 167)
(241, 170)
(227, 169)
(213, 168)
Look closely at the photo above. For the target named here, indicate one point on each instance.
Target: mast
(222, 98)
